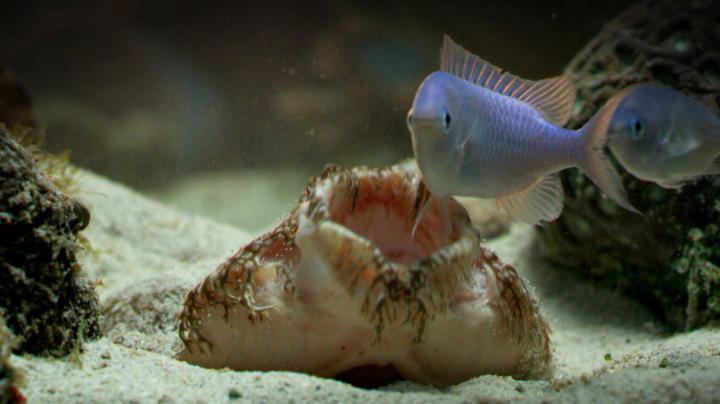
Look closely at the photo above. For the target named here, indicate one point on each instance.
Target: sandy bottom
(223, 196)
(147, 255)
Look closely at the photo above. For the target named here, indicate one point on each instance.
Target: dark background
(148, 92)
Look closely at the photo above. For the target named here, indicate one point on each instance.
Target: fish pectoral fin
(553, 97)
(714, 168)
(681, 145)
(541, 201)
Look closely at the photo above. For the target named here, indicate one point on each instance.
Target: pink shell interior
(384, 214)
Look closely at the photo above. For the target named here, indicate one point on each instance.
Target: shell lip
(353, 200)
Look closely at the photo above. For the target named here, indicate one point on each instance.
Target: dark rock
(15, 103)
(48, 304)
(8, 376)
(668, 258)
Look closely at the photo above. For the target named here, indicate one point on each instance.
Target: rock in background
(669, 257)
(47, 302)
(8, 375)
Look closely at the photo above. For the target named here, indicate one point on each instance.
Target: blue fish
(482, 132)
(664, 136)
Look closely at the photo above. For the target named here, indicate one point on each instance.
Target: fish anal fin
(553, 97)
(541, 201)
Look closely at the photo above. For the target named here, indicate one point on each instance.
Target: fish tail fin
(594, 162)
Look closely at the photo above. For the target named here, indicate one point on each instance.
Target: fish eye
(636, 128)
(447, 120)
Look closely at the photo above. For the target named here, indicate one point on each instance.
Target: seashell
(340, 284)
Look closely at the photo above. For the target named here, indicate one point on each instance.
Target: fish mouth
(426, 121)
(424, 124)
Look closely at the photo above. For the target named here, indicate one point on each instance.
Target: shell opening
(382, 210)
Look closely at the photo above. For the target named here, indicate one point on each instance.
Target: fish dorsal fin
(541, 201)
(553, 97)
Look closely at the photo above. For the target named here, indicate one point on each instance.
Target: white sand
(224, 196)
(148, 254)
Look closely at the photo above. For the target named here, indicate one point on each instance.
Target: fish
(479, 131)
(661, 135)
